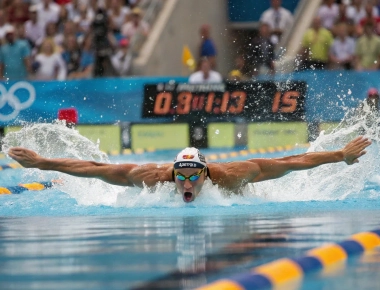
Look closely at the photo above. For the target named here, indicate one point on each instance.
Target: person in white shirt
(342, 51)
(205, 75)
(121, 61)
(136, 24)
(117, 14)
(47, 11)
(83, 20)
(278, 18)
(49, 65)
(74, 6)
(356, 11)
(328, 13)
(33, 29)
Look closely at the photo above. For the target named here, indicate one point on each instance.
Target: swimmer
(190, 170)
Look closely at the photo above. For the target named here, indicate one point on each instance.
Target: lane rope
(34, 186)
(288, 270)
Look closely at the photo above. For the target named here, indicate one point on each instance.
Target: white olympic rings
(9, 97)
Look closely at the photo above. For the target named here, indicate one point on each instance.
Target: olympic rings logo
(9, 97)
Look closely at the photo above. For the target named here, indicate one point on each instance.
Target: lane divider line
(213, 157)
(13, 165)
(290, 270)
(34, 186)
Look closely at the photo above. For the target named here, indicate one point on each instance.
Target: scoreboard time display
(255, 101)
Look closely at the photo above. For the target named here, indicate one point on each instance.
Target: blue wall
(106, 101)
(251, 10)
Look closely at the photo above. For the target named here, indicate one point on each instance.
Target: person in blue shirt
(207, 47)
(14, 57)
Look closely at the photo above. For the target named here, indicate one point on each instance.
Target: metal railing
(151, 10)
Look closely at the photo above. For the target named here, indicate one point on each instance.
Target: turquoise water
(87, 234)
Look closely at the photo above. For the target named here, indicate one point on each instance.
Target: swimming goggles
(193, 177)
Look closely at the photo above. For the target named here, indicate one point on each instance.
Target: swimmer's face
(189, 189)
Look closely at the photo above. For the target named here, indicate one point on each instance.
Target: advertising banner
(221, 135)
(264, 135)
(159, 136)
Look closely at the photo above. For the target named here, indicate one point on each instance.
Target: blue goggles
(193, 177)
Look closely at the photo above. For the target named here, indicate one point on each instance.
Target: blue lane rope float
(288, 270)
(10, 166)
(26, 187)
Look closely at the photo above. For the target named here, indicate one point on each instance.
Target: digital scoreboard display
(255, 101)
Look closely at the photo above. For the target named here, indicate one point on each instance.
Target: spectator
(122, 60)
(74, 8)
(49, 65)
(241, 66)
(4, 25)
(356, 11)
(328, 13)
(87, 61)
(33, 29)
(235, 76)
(367, 54)
(69, 28)
(207, 46)
(343, 18)
(278, 19)
(62, 19)
(83, 20)
(47, 11)
(205, 75)
(342, 50)
(263, 52)
(369, 18)
(316, 45)
(14, 57)
(136, 24)
(71, 54)
(51, 33)
(117, 14)
(18, 12)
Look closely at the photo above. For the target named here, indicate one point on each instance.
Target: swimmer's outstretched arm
(117, 174)
(277, 167)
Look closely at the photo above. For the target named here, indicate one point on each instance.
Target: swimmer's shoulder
(233, 175)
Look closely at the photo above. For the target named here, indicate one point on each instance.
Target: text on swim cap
(187, 165)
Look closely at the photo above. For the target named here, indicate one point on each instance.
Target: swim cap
(190, 157)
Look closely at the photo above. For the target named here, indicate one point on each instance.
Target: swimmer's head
(190, 172)
(373, 98)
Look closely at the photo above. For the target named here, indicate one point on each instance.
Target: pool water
(85, 234)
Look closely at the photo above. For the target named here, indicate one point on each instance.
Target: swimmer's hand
(26, 157)
(355, 149)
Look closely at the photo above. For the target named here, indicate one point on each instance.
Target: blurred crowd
(343, 35)
(259, 58)
(67, 39)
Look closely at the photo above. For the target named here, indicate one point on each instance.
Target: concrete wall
(178, 25)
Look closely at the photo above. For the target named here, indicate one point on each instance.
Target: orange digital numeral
(288, 102)
(184, 103)
(162, 103)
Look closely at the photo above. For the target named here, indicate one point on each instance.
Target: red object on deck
(70, 115)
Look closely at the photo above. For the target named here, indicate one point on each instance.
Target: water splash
(336, 181)
(328, 182)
